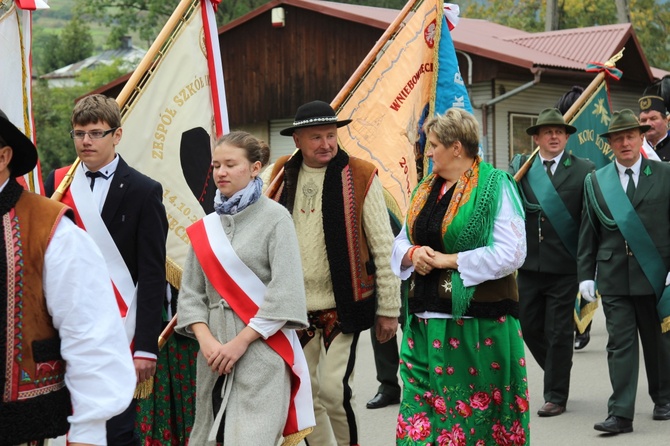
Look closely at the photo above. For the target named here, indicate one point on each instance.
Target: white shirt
(556, 159)
(100, 373)
(506, 255)
(623, 176)
(101, 185)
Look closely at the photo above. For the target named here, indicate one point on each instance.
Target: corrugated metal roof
(580, 46)
(567, 49)
(129, 56)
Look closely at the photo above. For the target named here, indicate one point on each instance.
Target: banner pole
(355, 78)
(156, 46)
(123, 96)
(572, 111)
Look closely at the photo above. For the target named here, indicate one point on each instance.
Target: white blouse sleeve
(509, 245)
(266, 327)
(100, 373)
(401, 245)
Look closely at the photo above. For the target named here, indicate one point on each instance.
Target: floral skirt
(166, 417)
(464, 383)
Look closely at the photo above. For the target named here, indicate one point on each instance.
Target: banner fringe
(144, 389)
(586, 313)
(296, 438)
(173, 273)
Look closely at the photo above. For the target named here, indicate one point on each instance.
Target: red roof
(567, 49)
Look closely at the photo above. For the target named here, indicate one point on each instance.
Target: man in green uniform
(552, 191)
(624, 245)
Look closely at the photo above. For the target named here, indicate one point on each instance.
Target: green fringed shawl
(472, 210)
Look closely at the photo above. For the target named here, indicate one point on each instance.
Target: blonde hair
(243, 140)
(454, 125)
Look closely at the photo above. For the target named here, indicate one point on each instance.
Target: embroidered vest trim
(35, 402)
(345, 187)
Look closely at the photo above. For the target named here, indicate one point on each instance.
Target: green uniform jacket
(601, 242)
(545, 250)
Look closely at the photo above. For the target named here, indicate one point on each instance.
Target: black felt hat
(312, 114)
(652, 103)
(24, 153)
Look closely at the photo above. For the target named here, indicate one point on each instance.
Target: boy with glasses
(122, 210)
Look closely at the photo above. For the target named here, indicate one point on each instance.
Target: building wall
(270, 75)
(496, 140)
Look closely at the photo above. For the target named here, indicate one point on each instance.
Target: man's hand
(144, 369)
(385, 328)
(587, 288)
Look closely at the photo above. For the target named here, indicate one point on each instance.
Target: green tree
(56, 50)
(45, 51)
(101, 75)
(527, 15)
(75, 41)
(650, 19)
(52, 108)
(148, 16)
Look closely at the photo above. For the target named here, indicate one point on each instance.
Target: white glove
(587, 288)
(667, 280)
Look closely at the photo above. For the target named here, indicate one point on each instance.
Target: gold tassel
(296, 438)
(173, 273)
(665, 325)
(144, 389)
(584, 318)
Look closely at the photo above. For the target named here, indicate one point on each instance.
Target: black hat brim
(24, 153)
(289, 130)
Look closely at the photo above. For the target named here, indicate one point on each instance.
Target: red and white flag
(15, 73)
(173, 116)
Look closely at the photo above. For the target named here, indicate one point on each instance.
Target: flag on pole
(592, 120)
(15, 72)
(173, 109)
(172, 119)
(414, 76)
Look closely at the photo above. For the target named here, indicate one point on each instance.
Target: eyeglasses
(93, 134)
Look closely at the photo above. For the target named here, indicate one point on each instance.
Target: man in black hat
(345, 239)
(552, 191)
(624, 246)
(656, 144)
(66, 362)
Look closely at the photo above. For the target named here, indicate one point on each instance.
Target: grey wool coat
(258, 389)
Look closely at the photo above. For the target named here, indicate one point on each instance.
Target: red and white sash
(245, 293)
(80, 198)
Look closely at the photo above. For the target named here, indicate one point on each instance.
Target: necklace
(310, 189)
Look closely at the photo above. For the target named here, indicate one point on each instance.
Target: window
(519, 141)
